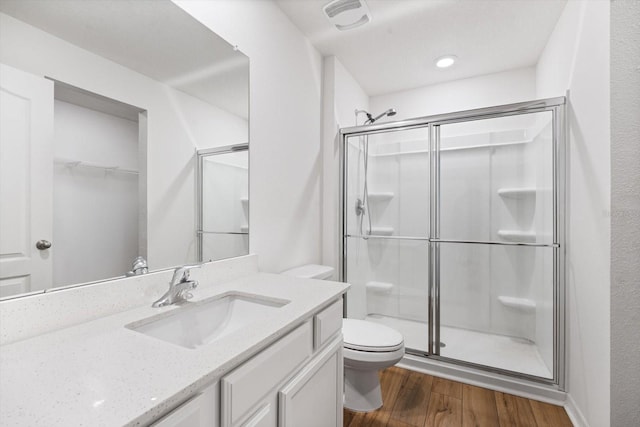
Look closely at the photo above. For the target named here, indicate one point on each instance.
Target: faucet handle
(181, 274)
(186, 292)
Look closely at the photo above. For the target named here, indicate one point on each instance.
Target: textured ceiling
(397, 49)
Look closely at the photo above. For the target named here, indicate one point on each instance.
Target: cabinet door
(199, 411)
(313, 398)
(264, 417)
(244, 389)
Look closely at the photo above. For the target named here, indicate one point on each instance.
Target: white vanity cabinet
(295, 382)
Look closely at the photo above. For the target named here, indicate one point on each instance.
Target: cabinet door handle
(43, 244)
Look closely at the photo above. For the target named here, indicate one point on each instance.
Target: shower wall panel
(388, 277)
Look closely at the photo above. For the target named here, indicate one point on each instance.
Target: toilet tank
(311, 271)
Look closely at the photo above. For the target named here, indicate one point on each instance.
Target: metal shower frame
(559, 166)
(200, 156)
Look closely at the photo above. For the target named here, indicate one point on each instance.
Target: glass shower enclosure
(453, 234)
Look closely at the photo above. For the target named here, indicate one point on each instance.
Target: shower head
(390, 112)
(370, 119)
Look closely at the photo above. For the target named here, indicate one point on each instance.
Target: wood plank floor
(412, 399)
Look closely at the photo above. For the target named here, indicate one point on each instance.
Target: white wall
(342, 95)
(476, 92)
(285, 111)
(95, 211)
(625, 213)
(577, 58)
(177, 125)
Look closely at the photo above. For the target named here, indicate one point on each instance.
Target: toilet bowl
(368, 347)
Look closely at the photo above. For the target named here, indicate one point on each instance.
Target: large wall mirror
(104, 107)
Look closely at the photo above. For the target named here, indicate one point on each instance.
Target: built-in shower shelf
(244, 201)
(523, 304)
(517, 236)
(244, 228)
(521, 192)
(382, 231)
(73, 164)
(380, 287)
(380, 196)
(517, 193)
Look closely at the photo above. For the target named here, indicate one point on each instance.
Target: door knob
(43, 244)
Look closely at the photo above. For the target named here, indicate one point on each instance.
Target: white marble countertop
(100, 373)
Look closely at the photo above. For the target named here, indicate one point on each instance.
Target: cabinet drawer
(199, 411)
(327, 323)
(243, 388)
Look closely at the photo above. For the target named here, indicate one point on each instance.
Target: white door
(26, 175)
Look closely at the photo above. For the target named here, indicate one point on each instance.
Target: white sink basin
(200, 323)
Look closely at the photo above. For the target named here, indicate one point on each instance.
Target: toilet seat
(361, 335)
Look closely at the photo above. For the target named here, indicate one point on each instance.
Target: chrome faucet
(179, 287)
(139, 267)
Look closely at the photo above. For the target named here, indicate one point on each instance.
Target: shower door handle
(43, 244)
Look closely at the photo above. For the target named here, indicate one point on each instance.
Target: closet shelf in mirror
(69, 163)
(382, 196)
(523, 304)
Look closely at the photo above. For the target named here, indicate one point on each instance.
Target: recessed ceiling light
(446, 61)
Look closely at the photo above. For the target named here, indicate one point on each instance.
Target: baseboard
(543, 393)
(575, 415)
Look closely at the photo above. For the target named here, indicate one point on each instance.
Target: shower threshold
(493, 350)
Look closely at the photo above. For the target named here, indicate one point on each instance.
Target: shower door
(453, 235)
(494, 241)
(386, 239)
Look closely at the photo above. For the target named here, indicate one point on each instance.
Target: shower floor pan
(497, 351)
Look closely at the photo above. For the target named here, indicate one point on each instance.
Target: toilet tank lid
(311, 271)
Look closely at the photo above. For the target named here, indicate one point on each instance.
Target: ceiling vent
(347, 14)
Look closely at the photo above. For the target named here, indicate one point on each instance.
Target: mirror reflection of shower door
(495, 243)
(386, 208)
(223, 202)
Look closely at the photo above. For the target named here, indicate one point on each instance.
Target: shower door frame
(559, 196)
(199, 175)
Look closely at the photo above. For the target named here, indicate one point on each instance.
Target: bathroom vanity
(283, 367)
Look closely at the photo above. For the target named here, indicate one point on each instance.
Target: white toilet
(368, 348)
